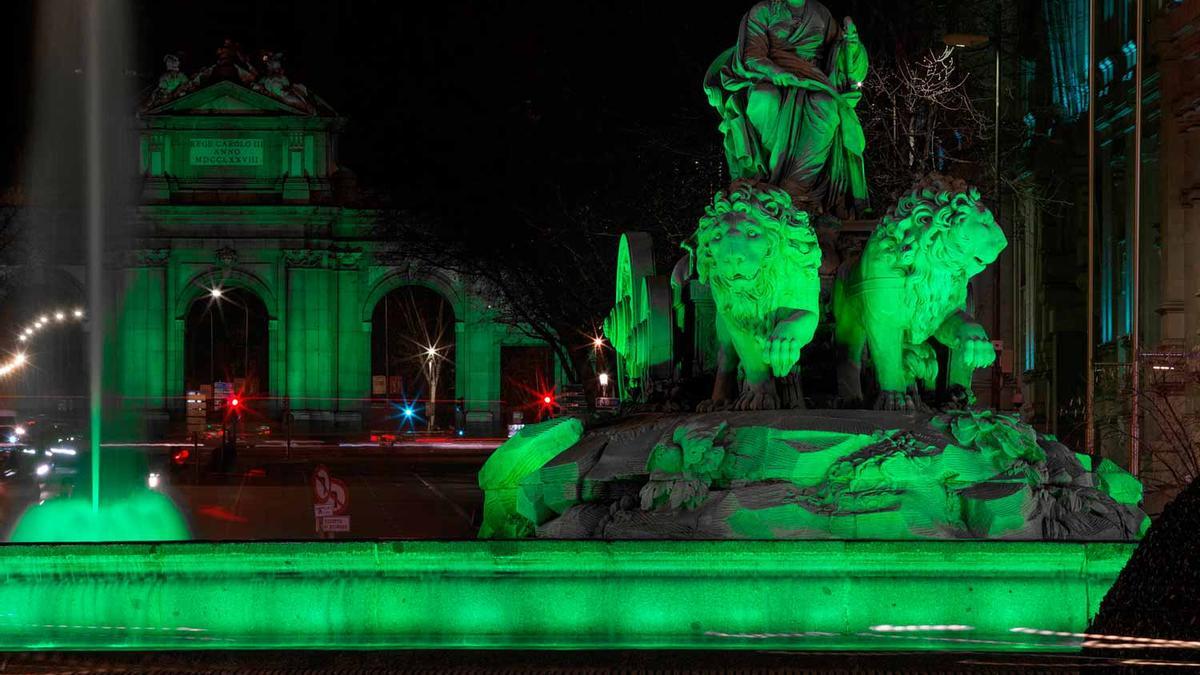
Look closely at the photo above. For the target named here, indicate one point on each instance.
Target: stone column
(353, 357)
(136, 355)
(310, 337)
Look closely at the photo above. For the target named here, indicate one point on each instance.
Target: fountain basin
(819, 595)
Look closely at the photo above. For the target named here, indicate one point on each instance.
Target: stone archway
(227, 339)
(413, 358)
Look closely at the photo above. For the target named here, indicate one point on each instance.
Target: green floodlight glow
(925, 595)
(143, 515)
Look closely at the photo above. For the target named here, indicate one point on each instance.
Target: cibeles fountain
(899, 451)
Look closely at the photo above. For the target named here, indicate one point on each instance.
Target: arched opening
(226, 340)
(526, 379)
(412, 361)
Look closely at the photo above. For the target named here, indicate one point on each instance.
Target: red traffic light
(547, 400)
(234, 402)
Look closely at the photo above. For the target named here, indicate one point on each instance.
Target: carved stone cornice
(304, 257)
(227, 256)
(347, 259)
(148, 257)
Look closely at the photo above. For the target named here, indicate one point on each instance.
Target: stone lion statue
(759, 256)
(909, 285)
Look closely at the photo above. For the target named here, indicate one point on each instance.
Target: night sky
(497, 104)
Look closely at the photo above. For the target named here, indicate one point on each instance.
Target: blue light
(408, 411)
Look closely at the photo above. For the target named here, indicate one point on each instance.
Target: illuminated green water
(110, 501)
(142, 516)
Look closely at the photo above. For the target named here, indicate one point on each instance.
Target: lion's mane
(914, 233)
(793, 255)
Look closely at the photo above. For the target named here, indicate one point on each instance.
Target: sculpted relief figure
(267, 77)
(910, 285)
(274, 82)
(172, 78)
(759, 256)
(786, 94)
(171, 84)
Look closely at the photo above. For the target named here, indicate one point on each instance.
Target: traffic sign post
(197, 422)
(331, 524)
(331, 502)
(197, 411)
(222, 392)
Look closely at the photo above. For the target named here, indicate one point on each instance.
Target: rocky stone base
(804, 474)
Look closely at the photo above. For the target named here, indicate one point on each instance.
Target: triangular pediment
(224, 98)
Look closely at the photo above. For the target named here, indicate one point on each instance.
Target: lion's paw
(753, 399)
(713, 405)
(897, 401)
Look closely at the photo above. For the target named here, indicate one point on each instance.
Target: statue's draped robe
(806, 139)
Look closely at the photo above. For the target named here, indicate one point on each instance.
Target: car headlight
(20, 431)
(42, 469)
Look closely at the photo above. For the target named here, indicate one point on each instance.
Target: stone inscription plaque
(226, 152)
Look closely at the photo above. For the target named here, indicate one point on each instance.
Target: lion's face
(739, 247)
(751, 246)
(975, 241)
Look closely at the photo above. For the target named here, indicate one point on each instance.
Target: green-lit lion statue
(759, 256)
(910, 285)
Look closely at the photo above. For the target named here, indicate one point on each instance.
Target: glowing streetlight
(965, 40)
(78, 314)
(603, 379)
(431, 352)
(59, 316)
(215, 293)
(17, 361)
(598, 342)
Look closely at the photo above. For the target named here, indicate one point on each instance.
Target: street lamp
(965, 40)
(433, 371)
(215, 293)
(974, 41)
